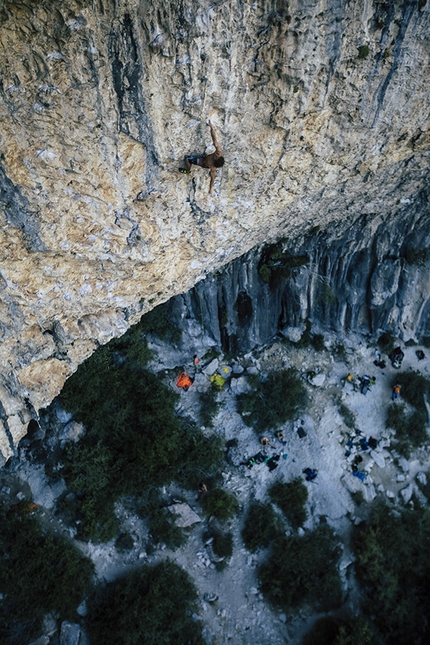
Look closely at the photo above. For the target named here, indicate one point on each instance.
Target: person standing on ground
(396, 391)
(213, 161)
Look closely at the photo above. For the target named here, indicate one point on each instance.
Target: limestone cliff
(322, 110)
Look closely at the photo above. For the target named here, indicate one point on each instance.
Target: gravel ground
(239, 615)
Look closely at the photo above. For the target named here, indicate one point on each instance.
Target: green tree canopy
(273, 401)
(150, 606)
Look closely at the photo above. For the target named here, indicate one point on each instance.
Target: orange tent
(184, 381)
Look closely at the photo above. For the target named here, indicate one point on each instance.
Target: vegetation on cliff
(134, 439)
(291, 498)
(278, 398)
(303, 569)
(40, 573)
(410, 421)
(393, 568)
(152, 606)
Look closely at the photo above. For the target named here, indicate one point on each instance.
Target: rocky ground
(232, 608)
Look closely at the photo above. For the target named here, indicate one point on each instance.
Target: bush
(291, 499)
(262, 525)
(39, 574)
(339, 352)
(318, 342)
(133, 441)
(363, 51)
(220, 504)
(386, 342)
(158, 322)
(410, 428)
(208, 406)
(276, 263)
(280, 398)
(124, 542)
(303, 569)
(393, 567)
(347, 415)
(143, 607)
(222, 542)
(415, 389)
(329, 631)
(163, 529)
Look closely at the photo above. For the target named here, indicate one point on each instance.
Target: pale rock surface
(318, 380)
(70, 633)
(100, 102)
(406, 493)
(185, 515)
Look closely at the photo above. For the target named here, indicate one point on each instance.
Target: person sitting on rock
(265, 442)
(212, 161)
(310, 473)
(279, 434)
(203, 489)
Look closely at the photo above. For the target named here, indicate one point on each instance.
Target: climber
(212, 161)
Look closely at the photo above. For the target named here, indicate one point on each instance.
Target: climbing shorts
(197, 161)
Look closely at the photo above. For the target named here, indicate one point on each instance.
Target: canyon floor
(239, 615)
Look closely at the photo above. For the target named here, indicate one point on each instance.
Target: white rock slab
(185, 515)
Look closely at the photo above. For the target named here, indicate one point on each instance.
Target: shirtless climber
(212, 161)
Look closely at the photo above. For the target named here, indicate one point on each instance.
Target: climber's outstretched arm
(214, 139)
(211, 185)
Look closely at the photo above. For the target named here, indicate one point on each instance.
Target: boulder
(185, 515)
(406, 493)
(404, 464)
(237, 369)
(211, 368)
(70, 633)
(317, 380)
(62, 415)
(72, 431)
(422, 478)
(378, 458)
(239, 385)
(43, 640)
(293, 334)
(225, 371)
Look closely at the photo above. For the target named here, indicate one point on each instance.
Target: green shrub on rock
(262, 526)
(329, 631)
(163, 529)
(291, 499)
(393, 568)
(150, 606)
(39, 573)
(133, 441)
(219, 503)
(410, 425)
(222, 544)
(274, 401)
(303, 569)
